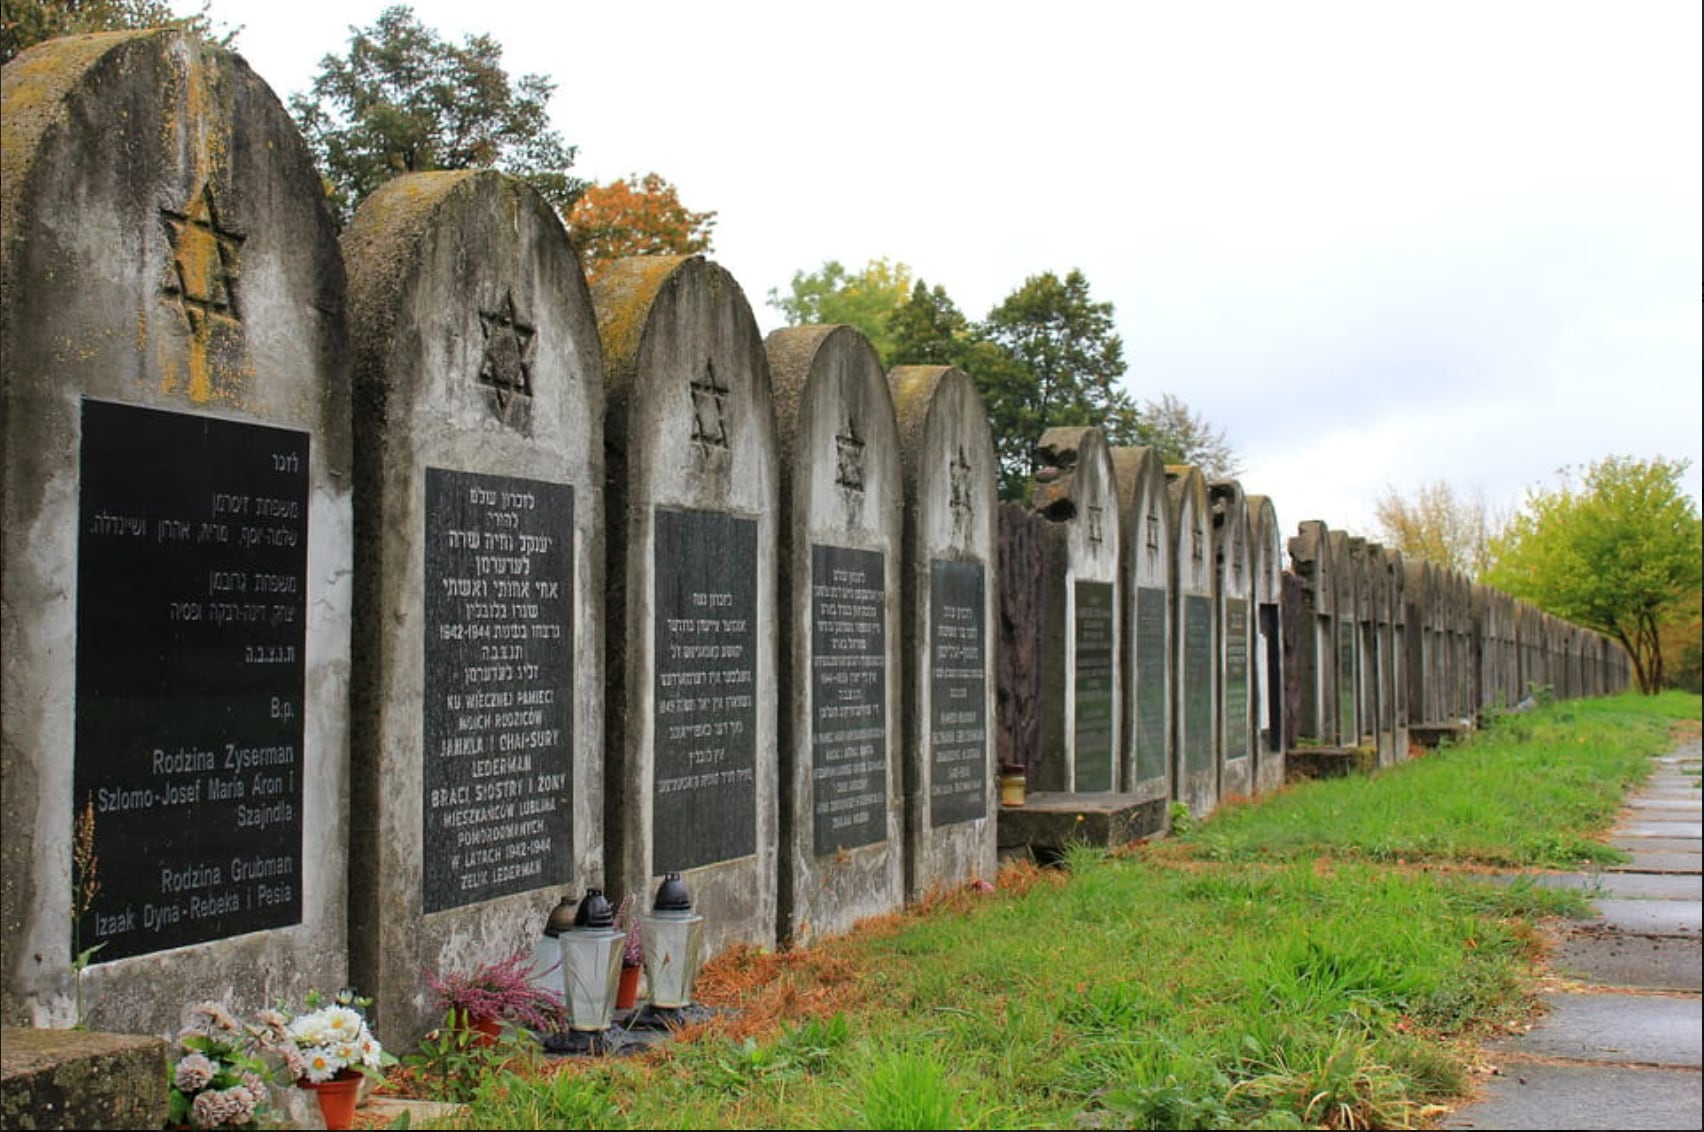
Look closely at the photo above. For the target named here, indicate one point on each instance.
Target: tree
(1621, 552)
(1069, 366)
(404, 101)
(1179, 436)
(635, 216)
(834, 295)
(1440, 528)
(25, 23)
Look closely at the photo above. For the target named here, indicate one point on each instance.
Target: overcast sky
(1379, 244)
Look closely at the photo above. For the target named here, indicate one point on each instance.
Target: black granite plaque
(1197, 683)
(192, 552)
(1152, 682)
(498, 707)
(1235, 725)
(848, 698)
(1346, 677)
(958, 675)
(1092, 690)
(704, 802)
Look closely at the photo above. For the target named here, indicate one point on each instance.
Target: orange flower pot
(337, 1097)
(627, 991)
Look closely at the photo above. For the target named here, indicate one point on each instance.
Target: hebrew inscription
(1236, 678)
(958, 731)
(497, 710)
(848, 698)
(191, 597)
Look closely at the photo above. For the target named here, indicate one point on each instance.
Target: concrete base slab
(1651, 917)
(1624, 886)
(1655, 844)
(1537, 1095)
(1049, 821)
(1641, 962)
(1658, 863)
(1646, 826)
(1617, 1028)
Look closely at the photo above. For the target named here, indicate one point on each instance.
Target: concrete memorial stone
(1233, 608)
(693, 507)
(1315, 659)
(842, 809)
(1146, 534)
(1082, 702)
(1019, 538)
(175, 577)
(947, 456)
(477, 777)
(1346, 639)
(1396, 575)
(1197, 662)
(1266, 679)
(1422, 643)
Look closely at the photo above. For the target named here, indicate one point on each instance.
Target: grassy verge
(1322, 958)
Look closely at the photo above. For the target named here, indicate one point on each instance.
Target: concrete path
(1621, 1047)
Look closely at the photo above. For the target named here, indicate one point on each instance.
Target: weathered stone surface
(1267, 678)
(478, 611)
(1018, 663)
(1146, 533)
(693, 506)
(948, 594)
(1048, 823)
(81, 1079)
(840, 687)
(1234, 630)
(176, 471)
(1194, 714)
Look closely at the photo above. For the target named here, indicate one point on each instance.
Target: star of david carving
(1095, 524)
(849, 458)
(959, 484)
(709, 395)
(1153, 532)
(203, 273)
(1197, 550)
(507, 364)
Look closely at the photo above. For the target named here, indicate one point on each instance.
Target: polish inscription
(958, 724)
(848, 698)
(1151, 682)
(497, 714)
(1092, 691)
(191, 599)
(704, 795)
(1236, 678)
(1197, 683)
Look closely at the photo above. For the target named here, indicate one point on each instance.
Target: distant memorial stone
(947, 457)
(175, 588)
(1152, 665)
(1266, 682)
(1094, 701)
(1197, 684)
(1195, 708)
(692, 635)
(477, 736)
(1147, 549)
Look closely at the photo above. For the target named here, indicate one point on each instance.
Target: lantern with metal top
(674, 934)
(547, 957)
(591, 963)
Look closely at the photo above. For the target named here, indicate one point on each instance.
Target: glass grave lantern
(591, 963)
(674, 937)
(547, 955)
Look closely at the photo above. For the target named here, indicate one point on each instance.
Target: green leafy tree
(928, 329)
(1440, 527)
(865, 299)
(1068, 372)
(402, 100)
(1619, 551)
(1179, 435)
(25, 23)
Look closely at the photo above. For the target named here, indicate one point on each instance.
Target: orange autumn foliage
(635, 216)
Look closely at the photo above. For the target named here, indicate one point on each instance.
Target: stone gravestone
(1398, 575)
(1081, 669)
(477, 777)
(1346, 630)
(1266, 680)
(1315, 658)
(1234, 616)
(1146, 532)
(176, 568)
(1196, 779)
(947, 455)
(1422, 685)
(1383, 668)
(842, 808)
(690, 615)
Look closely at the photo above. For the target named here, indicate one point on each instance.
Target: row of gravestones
(361, 596)
(1385, 647)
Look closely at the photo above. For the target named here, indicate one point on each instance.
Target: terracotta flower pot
(337, 1097)
(627, 991)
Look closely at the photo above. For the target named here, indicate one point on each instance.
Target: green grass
(1274, 968)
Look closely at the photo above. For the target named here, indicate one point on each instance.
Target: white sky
(1379, 245)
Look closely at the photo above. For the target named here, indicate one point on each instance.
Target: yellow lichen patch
(622, 297)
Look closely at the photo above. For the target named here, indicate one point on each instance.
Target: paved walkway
(1621, 1047)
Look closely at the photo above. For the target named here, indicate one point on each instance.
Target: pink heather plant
(503, 990)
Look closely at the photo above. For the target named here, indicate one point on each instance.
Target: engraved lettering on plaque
(849, 786)
(1236, 678)
(1152, 682)
(709, 400)
(958, 731)
(507, 363)
(1198, 683)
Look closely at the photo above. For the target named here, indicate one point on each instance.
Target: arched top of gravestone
(1398, 575)
(946, 453)
(1075, 483)
(1144, 519)
(1310, 555)
(1266, 547)
(162, 206)
(466, 300)
(690, 412)
(1231, 555)
(1346, 574)
(1377, 583)
(1418, 578)
(1192, 528)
